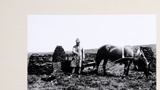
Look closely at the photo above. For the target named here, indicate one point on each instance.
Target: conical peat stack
(58, 54)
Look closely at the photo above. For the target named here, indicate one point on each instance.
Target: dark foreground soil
(59, 80)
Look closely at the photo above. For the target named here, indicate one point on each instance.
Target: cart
(66, 64)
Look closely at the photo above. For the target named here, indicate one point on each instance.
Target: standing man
(78, 57)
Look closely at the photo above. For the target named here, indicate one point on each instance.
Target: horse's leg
(124, 73)
(125, 69)
(98, 60)
(128, 66)
(73, 70)
(135, 65)
(146, 71)
(104, 66)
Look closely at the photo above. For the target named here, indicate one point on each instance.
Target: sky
(45, 32)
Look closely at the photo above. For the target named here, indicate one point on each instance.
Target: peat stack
(58, 54)
(149, 54)
(38, 65)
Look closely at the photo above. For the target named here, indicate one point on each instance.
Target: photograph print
(91, 52)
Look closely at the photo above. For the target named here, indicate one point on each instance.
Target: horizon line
(85, 49)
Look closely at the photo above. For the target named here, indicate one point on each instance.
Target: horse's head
(141, 61)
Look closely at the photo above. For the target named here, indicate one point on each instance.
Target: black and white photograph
(91, 52)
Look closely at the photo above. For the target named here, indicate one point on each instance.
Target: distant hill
(40, 53)
(153, 46)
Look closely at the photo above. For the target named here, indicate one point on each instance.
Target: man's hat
(77, 40)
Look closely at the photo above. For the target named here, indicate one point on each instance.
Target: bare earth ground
(89, 81)
(112, 81)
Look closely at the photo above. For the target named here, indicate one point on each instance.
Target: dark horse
(123, 55)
